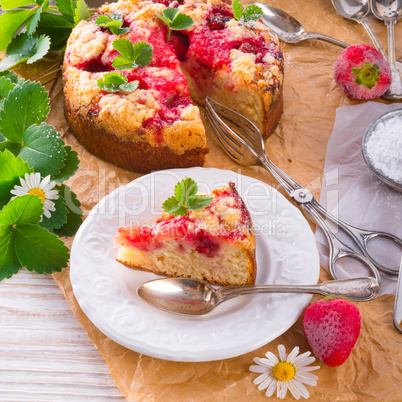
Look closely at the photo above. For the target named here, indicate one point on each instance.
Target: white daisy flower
(43, 189)
(288, 373)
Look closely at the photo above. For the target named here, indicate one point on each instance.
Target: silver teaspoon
(193, 297)
(290, 30)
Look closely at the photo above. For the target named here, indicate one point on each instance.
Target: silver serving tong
(245, 146)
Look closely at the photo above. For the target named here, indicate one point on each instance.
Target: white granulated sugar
(384, 148)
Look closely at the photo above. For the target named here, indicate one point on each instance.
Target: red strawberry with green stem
(362, 72)
(332, 326)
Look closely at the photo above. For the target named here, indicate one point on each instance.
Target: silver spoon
(192, 297)
(357, 10)
(290, 30)
(390, 11)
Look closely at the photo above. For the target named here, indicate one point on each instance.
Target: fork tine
(248, 130)
(232, 148)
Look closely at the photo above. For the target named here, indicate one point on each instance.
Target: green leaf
(33, 21)
(9, 263)
(132, 55)
(251, 13)
(186, 198)
(74, 214)
(113, 21)
(43, 149)
(25, 48)
(181, 21)
(10, 23)
(237, 9)
(196, 202)
(39, 250)
(9, 4)
(66, 8)
(12, 77)
(57, 27)
(143, 53)
(169, 14)
(6, 85)
(115, 82)
(11, 169)
(24, 106)
(81, 12)
(172, 206)
(71, 162)
(12, 146)
(58, 217)
(22, 210)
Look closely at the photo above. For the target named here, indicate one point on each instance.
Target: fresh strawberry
(362, 72)
(332, 327)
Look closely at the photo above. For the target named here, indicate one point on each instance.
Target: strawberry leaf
(66, 8)
(237, 9)
(171, 206)
(9, 263)
(115, 82)
(132, 55)
(25, 48)
(39, 250)
(16, 115)
(251, 13)
(9, 4)
(10, 21)
(114, 22)
(81, 12)
(43, 149)
(58, 217)
(74, 212)
(196, 202)
(22, 210)
(70, 165)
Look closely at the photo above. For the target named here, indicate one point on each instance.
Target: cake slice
(215, 244)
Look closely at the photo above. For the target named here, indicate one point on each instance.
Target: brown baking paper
(298, 146)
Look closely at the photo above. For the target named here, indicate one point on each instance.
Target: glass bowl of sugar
(382, 148)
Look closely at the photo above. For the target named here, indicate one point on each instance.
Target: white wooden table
(45, 353)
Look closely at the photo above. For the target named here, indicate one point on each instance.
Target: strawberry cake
(157, 126)
(215, 244)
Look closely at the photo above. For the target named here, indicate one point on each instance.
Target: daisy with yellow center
(288, 373)
(43, 189)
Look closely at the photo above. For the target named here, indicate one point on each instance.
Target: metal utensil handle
(369, 29)
(358, 289)
(329, 39)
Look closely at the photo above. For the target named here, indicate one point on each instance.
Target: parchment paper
(298, 146)
(351, 191)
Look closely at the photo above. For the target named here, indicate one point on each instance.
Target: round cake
(157, 126)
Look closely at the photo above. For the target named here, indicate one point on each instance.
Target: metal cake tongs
(245, 146)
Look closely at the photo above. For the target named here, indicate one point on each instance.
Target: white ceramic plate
(106, 290)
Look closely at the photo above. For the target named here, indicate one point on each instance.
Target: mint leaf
(16, 115)
(251, 13)
(10, 22)
(9, 4)
(237, 9)
(25, 48)
(74, 214)
(132, 55)
(115, 82)
(66, 8)
(22, 210)
(81, 12)
(71, 162)
(43, 149)
(185, 198)
(113, 21)
(39, 250)
(11, 169)
(9, 263)
(58, 217)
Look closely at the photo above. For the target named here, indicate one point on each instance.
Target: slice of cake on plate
(215, 244)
